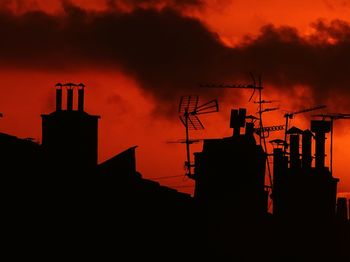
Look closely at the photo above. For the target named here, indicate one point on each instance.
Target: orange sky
(128, 111)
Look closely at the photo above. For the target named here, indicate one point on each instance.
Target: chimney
(320, 128)
(69, 98)
(280, 164)
(81, 97)
(237, 120)
(58, 97)
(306, 149)
(294, 151)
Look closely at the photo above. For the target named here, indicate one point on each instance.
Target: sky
(138, 57)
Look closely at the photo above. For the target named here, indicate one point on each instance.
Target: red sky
(302, 61)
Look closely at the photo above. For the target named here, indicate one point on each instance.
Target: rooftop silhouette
(58, 198)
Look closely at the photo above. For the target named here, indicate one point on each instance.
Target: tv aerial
(265, 131)
(188, 113)
(255, 85)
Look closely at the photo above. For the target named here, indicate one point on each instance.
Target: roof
(71, 113)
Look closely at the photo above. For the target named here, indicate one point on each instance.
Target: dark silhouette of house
(15, 150)
(61, 202)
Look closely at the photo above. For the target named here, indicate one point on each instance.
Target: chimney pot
(70, 98)
(58, 97)
(81, 97)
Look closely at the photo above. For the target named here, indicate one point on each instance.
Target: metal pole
(260, 109)
(262, 137)
(285, 135)
(187, 144)
(331, 156)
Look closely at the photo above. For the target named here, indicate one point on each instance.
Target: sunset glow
(134, 79)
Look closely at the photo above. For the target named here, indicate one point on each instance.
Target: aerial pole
(188, 110)
(188, 154)
(260, 113)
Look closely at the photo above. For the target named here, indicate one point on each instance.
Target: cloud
(116, 4)
(169, 53)
(318, 61)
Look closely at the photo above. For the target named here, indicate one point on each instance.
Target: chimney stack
(58, 97)
(237, 120)
(81, 97)
(320, 128)
(280, 165)
(306, 149)
(294, 151)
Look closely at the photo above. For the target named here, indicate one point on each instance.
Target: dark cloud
(319, 61)
(154, 3)
(169, 53)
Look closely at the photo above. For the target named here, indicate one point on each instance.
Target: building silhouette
(230, 188)
(59, 202)
(304, 199)
(227, 162)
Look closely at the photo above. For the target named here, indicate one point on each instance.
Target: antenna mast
(188, 110)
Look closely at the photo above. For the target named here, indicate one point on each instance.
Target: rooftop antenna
(268, 129)
(291, 115)
(188, 110)
(332, 117)
(265, 101)
(255, 85)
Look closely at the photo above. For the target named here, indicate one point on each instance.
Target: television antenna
(265, 101)
(188, 113)
(255, 85)
(268, 129)
(332, 117)
(291, 116)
